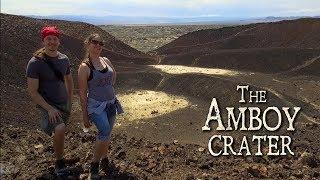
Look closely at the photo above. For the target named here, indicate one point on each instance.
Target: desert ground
(146, 38)
(166, 94)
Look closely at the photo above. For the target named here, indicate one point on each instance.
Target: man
(50, 86)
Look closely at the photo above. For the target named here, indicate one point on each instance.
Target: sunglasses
(95, 42)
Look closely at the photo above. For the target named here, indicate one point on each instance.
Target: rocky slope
(264, 47)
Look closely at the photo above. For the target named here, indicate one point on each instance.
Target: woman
(96, 77)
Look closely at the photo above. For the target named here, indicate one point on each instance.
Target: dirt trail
(305, 64)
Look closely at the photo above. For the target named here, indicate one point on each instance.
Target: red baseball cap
(49, 30)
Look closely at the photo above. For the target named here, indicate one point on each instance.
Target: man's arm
(69, 85)
(33, 85)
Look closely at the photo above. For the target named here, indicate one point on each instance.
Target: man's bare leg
(58, 141)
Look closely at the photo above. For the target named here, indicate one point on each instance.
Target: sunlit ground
(147, 104)
(144, 104)
(177, 69)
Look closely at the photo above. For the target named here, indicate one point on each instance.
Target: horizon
(232, 9)
(161, 21)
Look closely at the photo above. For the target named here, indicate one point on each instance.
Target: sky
(164, 8)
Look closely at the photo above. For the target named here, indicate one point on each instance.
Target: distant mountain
(272, 47)
(111, 20)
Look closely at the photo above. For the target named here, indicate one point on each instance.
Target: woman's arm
(83, 74)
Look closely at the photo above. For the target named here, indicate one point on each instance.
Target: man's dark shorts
(49, 127)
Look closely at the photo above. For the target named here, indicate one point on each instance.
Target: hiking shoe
(60, 168)
(93, 176)
(104, 164)
(94, 171)
(109, 168)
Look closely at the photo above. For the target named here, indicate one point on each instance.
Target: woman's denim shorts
(104, 122)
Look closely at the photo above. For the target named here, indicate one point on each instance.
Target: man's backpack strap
(57, 73)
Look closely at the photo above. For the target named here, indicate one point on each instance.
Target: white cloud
(47, 7)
